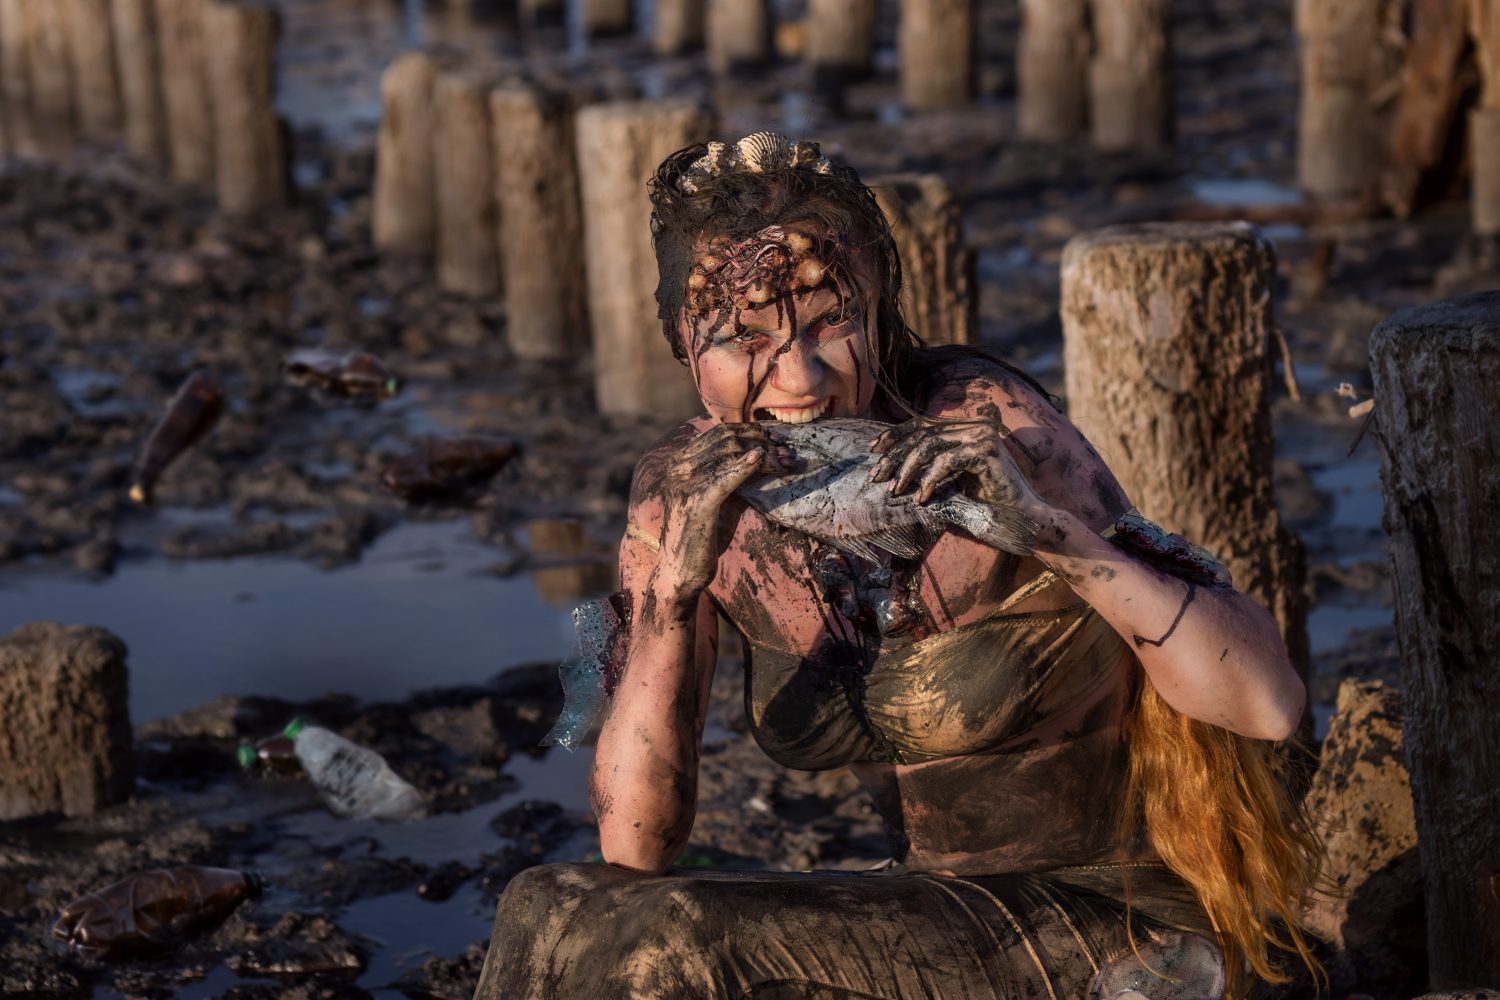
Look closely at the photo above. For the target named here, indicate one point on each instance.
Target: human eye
(838, 324)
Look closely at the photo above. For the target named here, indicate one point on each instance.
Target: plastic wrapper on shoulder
(590, 674)
(1166, 551)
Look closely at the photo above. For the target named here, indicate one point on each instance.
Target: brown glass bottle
(149, 913)
(192, 412)
(274, 754)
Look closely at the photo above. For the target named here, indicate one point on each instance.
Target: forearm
(1213, 653)
(644, 780)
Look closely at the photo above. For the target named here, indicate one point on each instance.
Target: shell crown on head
(757, 153)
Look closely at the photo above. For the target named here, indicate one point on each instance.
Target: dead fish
(355, 375)
(443, 469)
(191, 413)
(830, 496)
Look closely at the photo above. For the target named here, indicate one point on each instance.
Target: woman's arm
(644, 783)
(1213, 653)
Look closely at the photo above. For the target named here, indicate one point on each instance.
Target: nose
(799, 371)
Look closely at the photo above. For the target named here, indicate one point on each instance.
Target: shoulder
(959, 382)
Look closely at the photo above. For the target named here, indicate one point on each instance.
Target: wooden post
(939, 287)
(251, 170)
(15, 81)
(840, 43)
(138, 61)
(541, 229)
(620, 145)
(543, 13)
(404, 210)
(679, 26)
(50, 76)
(936, 48)
(1052, 70)
(739, 35)
(1338, 140)
(1166, 332)
(1484, 121)
(1130, 90)
(91, 56)
(1436, 370)
(463, 173)
(606, 17)
(184, 85)
(1431, 91)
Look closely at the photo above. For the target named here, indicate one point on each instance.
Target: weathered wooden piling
(1431, 91)
(679, 26)
(1436, 371)
(542, 13)
(606, 17)
(1338, 134)
(463, 172)
(15, 81)
(404, 209)
(540, 224)
(91, 56)
(738, 35)
(840, 42)
(939, 293)
(936, 49)
(1166, 346)
(1052, 70)
(50, 77)
(1484, 120)
(185, 91)
(251, 169)
(138, 62)
(1130, 90)
(620, 144)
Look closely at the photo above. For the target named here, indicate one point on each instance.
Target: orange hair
(1220, 813)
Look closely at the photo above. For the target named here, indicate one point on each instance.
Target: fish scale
(830, 497)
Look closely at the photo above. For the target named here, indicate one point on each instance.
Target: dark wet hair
(739, 203)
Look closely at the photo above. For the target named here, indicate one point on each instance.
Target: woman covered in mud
(1072, 742)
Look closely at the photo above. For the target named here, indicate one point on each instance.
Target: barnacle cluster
(749, 273)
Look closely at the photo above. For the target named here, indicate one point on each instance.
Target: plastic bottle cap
(246, 755)
(255, 882)
(293, 728)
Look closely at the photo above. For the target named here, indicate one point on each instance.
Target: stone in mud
(1361, 805)
(301, 945)
(66, 743)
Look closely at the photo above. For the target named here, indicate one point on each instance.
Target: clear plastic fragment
(588, 676)
(1171, 965)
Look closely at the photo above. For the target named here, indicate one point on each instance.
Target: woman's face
(783, 329)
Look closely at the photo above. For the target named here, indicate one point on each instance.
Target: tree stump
(1436, 370)
(936, 49)
(463, 171)
(939, 293)
(15, 81)
(1484, 121)
(1052, 70)
(1130, 90)
(1338, 132)
(404, 210)
(840, 43)
(620, 145)
(251, 170)
(1166, 332)
(50, 76)
(139, 63)
(606, 17)
(541, 227)
(91, 53)
(739, 35)
(185, 93)
(679, 26)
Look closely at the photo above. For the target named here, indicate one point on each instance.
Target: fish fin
(1004, 528)
(906, 541)
(858, 547)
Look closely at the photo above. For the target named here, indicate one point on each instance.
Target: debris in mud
(355, 375)
(273, 755)
(354, 780)
(300, 944)
(449, 469)
(190, 415)
(148, 914)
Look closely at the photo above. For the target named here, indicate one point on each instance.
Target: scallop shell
(762, 151)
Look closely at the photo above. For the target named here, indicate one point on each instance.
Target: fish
(829, 496)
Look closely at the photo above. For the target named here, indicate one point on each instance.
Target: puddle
(417, 611)
(1241, 191)
(1354, 486)
(1330, 625)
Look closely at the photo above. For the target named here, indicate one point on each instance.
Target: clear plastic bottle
(147, 914)
(355, 781)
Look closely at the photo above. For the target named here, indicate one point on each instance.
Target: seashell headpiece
(758, 153)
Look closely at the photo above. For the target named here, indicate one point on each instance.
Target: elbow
(636, 849)
(1282, 715)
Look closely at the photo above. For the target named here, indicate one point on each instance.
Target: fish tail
(1003, 528)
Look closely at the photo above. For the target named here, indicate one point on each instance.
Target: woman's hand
(696, 482)
(928, 454)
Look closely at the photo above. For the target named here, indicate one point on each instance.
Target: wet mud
(115, 288)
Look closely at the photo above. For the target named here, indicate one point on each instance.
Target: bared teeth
(800, 415)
